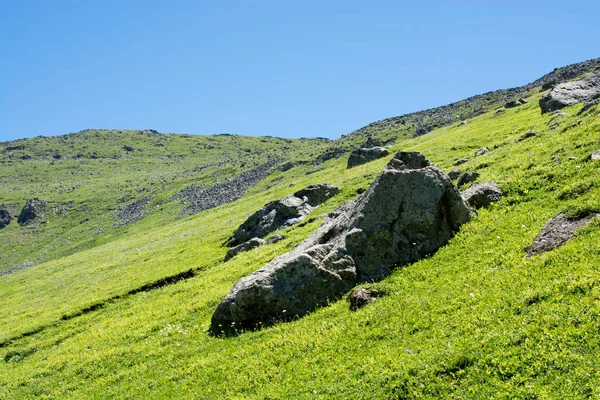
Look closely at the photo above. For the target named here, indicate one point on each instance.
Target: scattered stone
(588, 105)
(569, 93)
(522, 100)
(455, 173)
(283, 212)
(128, 148)
(481, 151)
(595, 156)
(410, 211)
(330, 154)
(459, 162)
(363, 156)
(482, 194)
(32, 210)
(463, 123)
(512, 104)
(133, 212)
(467, 177)
(275, 238)
(5, 216)
(498, 112)
(555, 126)
(246, 246)
(557, 231)
(363, 296)
(199, 198)
(526, 135)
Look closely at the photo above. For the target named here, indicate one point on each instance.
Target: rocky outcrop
(482, 194)
(133, 211)
(410, 211)
(283, 212)
(365, 155)
(5, 216)
(32, 210)
(569, 93)
(557, 231)
(467, 177)
(246, 246)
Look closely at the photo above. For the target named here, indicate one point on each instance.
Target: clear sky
(282, 68)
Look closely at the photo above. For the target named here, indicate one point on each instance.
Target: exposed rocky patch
(330, 155)
(482, 194)
(5, 216)
(481, 151)
(410, 211)
(21, 267)
(133, 212)
(569, 93)
(364, 155)
(283, 212)
(246, 246)
(460, 162)
(33, 210)
(467, 177)
(200, 198)
(275, 238)
(557, 231)
(595, 156)
(455, 173)
(588, 105)
(361, 297)
(526, 135)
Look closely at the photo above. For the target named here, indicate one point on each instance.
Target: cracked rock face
(365, 155)
(569, 93)
(283, 212)
(410, 211)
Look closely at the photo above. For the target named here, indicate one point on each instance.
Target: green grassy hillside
(127, 317)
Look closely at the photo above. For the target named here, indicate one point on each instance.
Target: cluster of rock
(199, 198)
(32, 210)
(364, 155)
(282, 213)
(515, 103)
(570, 93)
(409, 211)
(133, 211)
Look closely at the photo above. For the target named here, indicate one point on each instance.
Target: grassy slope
(476, 320)
(95, 176)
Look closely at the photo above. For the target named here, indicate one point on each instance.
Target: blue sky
(282, 68)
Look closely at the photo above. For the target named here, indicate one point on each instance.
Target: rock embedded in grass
(33, 210)
(482, 194)
(455, 173)
(410, 211)
(246, 246)
(361, 297)
(526, 135)
(595, 156)
(459, 162)
(365, 155)
(467, 177)
(5, 216)
(481, 151)
(558, 231)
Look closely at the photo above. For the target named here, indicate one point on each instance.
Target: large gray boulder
(5, 216)
(410, 211)
(569, 93)
(283, 212)
(246, 246)
(482, 194)
(32, 210)
(365, 155)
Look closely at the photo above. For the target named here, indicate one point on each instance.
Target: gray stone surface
(569, 93)
(482, 194)
(595, 156)
(467, 177)
(363, 296)
(481, 151)
(283, 212)
(588, 105)
(365, 155)
(410, 211)
(32, 210)
(459, 162)
(455, 173)
(246, 246)
(5, 216)
(557, 231)
(526, 135)
(275, 238)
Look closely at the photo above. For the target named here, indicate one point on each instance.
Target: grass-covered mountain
(117, 301)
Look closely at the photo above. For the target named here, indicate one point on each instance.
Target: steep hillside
(128, 315)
